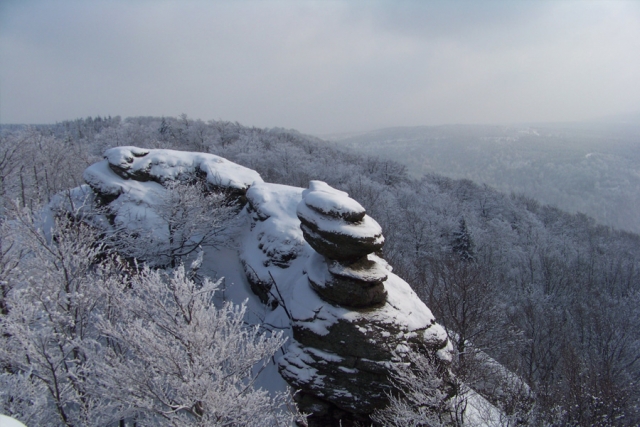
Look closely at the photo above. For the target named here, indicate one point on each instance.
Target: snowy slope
(9, 422)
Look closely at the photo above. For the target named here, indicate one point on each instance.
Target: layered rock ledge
(352, 318)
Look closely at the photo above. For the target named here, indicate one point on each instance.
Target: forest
(589, 167)
(553, 297)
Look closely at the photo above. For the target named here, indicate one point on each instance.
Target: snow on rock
(329, 201)
(140, 189)
(327, 376)
(274, 242)
(6, 421)
(79, 202)
(350, 306)
(372, 332)
(103, 180)
(368, 269)
(162, 165)
(309, 256)
(350, 289)
(479, 412)
(131, 181)
(335, 225)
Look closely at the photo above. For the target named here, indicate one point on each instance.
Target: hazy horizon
(320, 67)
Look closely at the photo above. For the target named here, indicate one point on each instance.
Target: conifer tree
(463, 245)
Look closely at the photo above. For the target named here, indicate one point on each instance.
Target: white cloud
(320, 66)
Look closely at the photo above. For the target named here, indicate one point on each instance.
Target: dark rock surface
(338, 239)
(349, 290)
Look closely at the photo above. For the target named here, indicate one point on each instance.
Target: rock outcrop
(312, 253)
(352, 318)
(159, 205)
(127, 169)
(339, 230)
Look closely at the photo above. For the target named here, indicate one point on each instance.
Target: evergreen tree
(463, 245)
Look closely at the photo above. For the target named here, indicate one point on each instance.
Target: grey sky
(320, 67)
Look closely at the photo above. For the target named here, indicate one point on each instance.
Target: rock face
(352, 318)
(337, 228)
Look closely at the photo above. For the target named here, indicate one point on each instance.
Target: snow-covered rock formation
(341, 233)
(134, 164)
(352, 318)
(312, 254)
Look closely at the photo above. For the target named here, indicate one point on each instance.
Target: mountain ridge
(550, 163)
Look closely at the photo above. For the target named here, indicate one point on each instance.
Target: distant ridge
(545, 161)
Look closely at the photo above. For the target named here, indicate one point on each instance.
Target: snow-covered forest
(588, 167)
(542, 307)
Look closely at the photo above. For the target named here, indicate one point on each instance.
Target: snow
(80, 201)
(325, 355)
(164, 165)
(275, 233)
(327, 200)
(100, 177)
(479, 412)
(276, 223)
(312, 312)
(275, 199)
(446, 353)
(273, 248)
(136, 202)
(315, 185)
(368, 228)
(298, 365)
(403, 307)
(278, 202)
(224, 262)
(377, 270)
(6, 421)
(134, 177)
(317, 270)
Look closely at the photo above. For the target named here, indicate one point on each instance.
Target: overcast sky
(320, 67)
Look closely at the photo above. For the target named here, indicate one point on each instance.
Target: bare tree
(423, 399)
(182, 361)
(183, 218)
(86, 341)
(50, 347)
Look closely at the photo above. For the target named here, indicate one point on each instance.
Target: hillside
(551, 296)
(580, 167)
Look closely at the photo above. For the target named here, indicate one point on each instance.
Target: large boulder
(353, 320)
